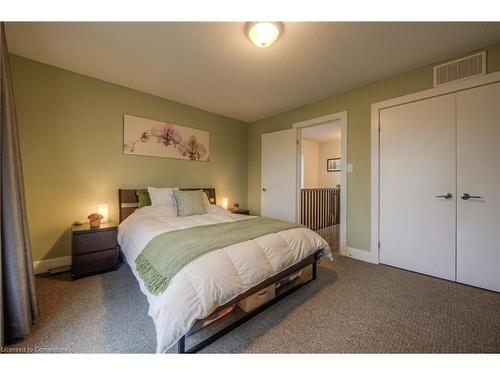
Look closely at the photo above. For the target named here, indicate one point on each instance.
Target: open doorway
(321, 179)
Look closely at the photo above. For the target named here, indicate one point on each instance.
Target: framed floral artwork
(156, 138)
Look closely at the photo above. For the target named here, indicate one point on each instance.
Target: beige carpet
(352, 307)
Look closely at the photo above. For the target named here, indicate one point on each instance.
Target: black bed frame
(128, 204)
(311, 260)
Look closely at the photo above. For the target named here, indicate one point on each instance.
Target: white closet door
(478, 174)
(417, 164)
(279, 175)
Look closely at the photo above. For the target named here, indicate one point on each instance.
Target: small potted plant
(95, 220)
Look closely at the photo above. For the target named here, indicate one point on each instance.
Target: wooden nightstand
(240, 211)
(93, 250)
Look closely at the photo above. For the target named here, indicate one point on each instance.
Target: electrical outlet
(349, 168)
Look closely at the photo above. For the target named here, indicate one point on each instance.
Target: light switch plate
(349, 168)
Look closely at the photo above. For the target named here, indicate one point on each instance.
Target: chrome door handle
(467, 196)
(446, 196)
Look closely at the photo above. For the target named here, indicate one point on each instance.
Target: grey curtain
(18, 307)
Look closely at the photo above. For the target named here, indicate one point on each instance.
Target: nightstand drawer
(90, 242)
(94, 262)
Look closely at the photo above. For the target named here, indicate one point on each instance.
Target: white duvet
(215, 278)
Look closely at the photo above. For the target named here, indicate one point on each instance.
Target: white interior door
(279, 175)
(478, 174)
(417, 165)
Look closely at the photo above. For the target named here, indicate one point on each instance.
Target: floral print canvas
(156, 138)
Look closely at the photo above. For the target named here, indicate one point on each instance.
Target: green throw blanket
(167, 253)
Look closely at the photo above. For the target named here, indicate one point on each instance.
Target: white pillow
(162, 196)
(206, 202)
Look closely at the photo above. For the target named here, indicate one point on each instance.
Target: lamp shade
(225, 202)
(103, 210)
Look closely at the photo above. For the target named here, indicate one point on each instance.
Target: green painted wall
(71, 129)
(358, 104)
(71, 132)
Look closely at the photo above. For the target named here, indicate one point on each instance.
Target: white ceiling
(213, 66)
(323, 133)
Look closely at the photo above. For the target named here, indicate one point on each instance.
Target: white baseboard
(42, 266)
(364, 255)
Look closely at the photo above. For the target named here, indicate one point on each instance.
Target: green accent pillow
(143, 197)
(189, 202)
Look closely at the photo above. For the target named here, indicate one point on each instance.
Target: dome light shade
(263, 34)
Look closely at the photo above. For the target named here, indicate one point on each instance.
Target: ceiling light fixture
(263, 34)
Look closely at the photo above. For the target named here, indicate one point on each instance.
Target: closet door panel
(478, 174)
(417, 164)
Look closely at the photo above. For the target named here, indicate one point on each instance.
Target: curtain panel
(18, 306)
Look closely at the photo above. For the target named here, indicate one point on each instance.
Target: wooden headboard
(128, 201)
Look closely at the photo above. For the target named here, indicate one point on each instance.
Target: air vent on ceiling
(458, 70)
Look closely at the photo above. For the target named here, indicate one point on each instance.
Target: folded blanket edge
(154, 281)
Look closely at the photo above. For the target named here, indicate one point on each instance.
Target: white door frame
(375, 126)
(342, 117)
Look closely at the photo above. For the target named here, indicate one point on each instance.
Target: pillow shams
(162, 196)
(189, 202)
(143, 198)
(206, 202)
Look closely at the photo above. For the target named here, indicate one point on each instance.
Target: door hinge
(379, 245)
(298, 141)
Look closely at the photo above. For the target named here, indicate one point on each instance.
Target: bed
(219, 280)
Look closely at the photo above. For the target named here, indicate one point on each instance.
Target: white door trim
(342, 116)
(375, 124)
